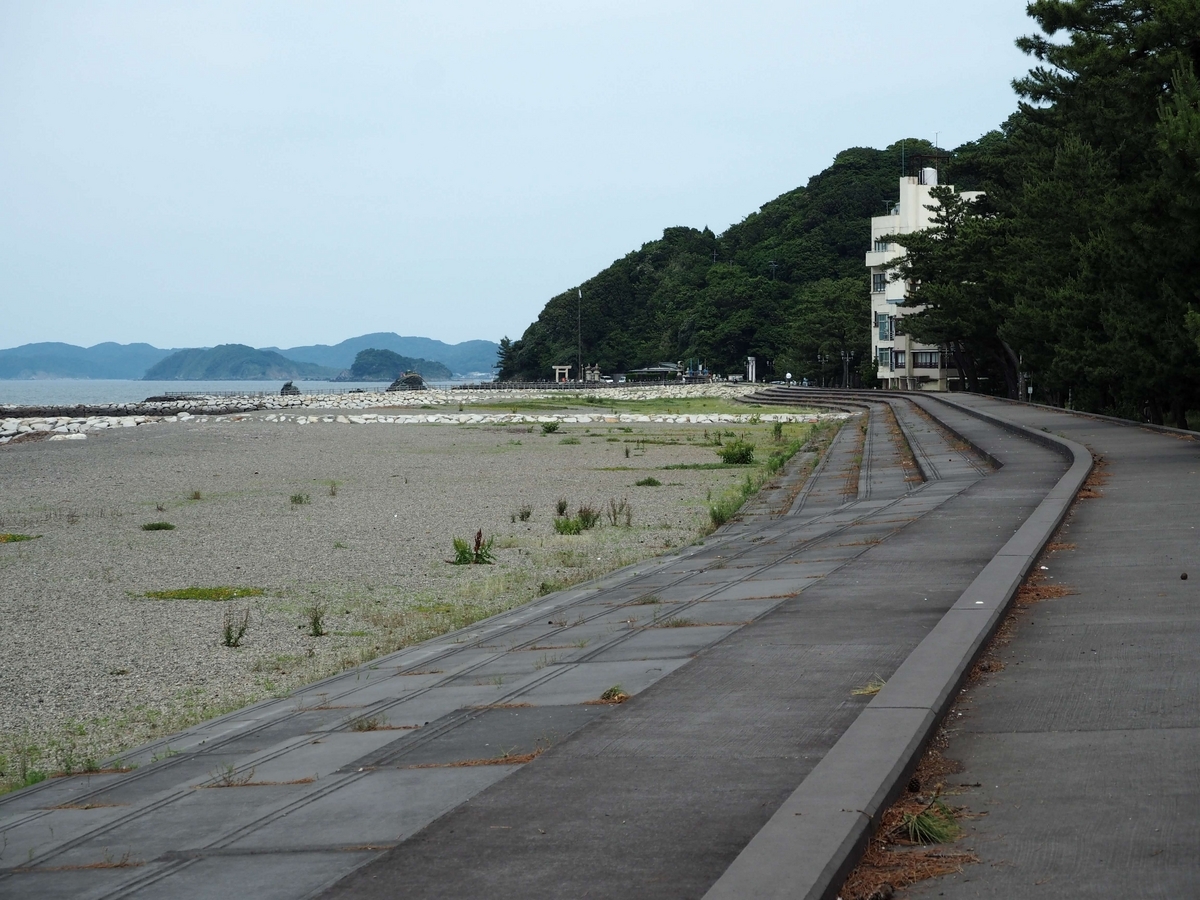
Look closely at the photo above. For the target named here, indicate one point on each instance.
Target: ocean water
(72, 391)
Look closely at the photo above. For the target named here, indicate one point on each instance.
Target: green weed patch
(219, 594)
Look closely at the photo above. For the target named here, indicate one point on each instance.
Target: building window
(882, 246)
(884, 323)
(878, 284)
(926, 359)
(896, 327)
(885, 357)
(897, 359)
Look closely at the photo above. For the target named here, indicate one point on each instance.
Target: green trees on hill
(1081, 264)
(385, 365)
(786, 285)
(1077, 273)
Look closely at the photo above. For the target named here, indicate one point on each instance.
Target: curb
(811, 844)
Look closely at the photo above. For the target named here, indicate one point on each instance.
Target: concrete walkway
(480, 764)
(1085, 750)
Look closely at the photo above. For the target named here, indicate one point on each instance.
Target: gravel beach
(354, 520)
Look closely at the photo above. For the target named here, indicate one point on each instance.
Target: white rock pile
(66, 428)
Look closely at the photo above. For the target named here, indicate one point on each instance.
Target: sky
(277, 174)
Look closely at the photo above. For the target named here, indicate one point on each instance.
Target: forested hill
(232, 361)
(786, 284)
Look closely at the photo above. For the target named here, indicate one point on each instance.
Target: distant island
(315, 362)
(384, 365)
(234, 362)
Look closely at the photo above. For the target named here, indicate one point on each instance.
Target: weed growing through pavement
(560, 507)
(316, 620)
(646, 600)
(300, 499)
(228, 776)
(333, 486)
(369, 723)
(525, 512)
(220, 594)
(549, 427)
(165, 754)
(158, 526)
(569, 440)
(648, 481)
(673, 622)
(614, 695)
(777, 432)
(196, 495)
(160, 507)
(935, 824)
(871, 688)
(234, 627)
(16, 538)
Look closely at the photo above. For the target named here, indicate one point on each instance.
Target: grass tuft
(737, 453)
(300, 499)
(567, 525)
(649, 481)
(16, 538)
(219, 594)
(316, 620)
(935, 824)
(234, 627)
(158, 526)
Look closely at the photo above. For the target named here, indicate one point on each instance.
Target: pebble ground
(92, 666)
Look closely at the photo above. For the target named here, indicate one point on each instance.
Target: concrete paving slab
(323, 755)
(583, 682)
(490, 733)
(1072, 814)
(354, 816)
(664, 643)
(269, 876)
(77, 884)
(764, 588)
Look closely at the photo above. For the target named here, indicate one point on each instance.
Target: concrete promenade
(480, 764)
(1085, 749)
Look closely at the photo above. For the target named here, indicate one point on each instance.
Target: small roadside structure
(289, 390)
(664, 371)
(562, 374)
(409, 381)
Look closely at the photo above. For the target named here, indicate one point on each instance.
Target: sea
(89, 392)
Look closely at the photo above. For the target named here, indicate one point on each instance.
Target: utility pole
(579, 335)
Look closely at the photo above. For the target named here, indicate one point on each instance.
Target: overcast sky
(292, 173)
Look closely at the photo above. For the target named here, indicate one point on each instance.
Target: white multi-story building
(904, 364)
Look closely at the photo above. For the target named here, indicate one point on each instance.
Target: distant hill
(233, 362)
(384, 365)
(131, 361)
(468, 356)
(56, 360)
